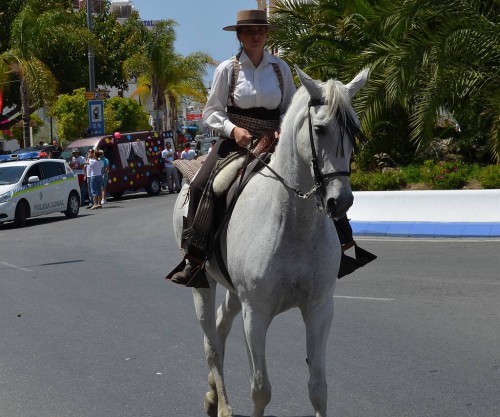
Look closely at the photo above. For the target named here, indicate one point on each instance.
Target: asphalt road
(89, 327)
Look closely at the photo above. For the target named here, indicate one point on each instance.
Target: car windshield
(10, 175)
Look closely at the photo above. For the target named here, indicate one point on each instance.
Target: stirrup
(348, 264)
(198, 278)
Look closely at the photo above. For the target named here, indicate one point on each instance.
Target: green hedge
(432, 175)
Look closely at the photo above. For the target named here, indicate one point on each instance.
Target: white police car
(33, 188)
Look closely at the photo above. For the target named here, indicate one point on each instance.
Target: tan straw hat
(251, 18)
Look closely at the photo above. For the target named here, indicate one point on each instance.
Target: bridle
(319, 187)
(319, 177)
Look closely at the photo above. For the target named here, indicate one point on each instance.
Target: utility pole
(90, 48)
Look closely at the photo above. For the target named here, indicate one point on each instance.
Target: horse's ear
(357, 82)
(311, 86)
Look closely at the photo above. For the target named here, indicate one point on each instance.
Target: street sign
(96, 117)
(96, 95)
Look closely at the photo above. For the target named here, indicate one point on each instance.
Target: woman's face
(253, 38)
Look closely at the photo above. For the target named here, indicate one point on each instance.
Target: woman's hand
(242, 136)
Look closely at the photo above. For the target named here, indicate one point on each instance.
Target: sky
(199, 24)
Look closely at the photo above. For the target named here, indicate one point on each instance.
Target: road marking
(16, 267)
(364, 298)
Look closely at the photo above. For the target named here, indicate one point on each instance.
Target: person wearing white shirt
(188, 153)
(94, 172)
(170, 170)
(77, 164)
(249, 96)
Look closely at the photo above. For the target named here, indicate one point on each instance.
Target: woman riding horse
(249, 96)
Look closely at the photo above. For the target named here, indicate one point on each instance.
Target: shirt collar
(266, 59)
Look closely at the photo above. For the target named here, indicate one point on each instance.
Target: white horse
(281, 251)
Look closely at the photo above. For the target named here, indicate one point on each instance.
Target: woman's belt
(256, 112)
(246, 118)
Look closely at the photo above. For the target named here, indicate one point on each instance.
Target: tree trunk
(25, 110)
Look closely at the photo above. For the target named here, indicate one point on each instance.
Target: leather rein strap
(318, 176)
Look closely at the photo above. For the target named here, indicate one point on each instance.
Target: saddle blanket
(189, 168)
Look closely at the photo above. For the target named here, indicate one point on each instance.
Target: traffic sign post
(96, 117)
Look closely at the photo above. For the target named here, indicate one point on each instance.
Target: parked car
(134, 160)
(34, 152)
(32, 188)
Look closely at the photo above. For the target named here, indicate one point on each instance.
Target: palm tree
(320, 35)
(163, 75)
(37, 28)
(432, 58)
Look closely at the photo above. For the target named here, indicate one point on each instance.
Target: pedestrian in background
(105, 171)
(95, 173)
(77, 164)
(170, 170)
(188, 153)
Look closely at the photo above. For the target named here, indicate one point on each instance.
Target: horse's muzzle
(337, 207)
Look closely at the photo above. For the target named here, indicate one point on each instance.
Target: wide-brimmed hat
(75, 150)
(251, 18)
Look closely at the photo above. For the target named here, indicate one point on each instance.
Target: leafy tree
(163, 75)
(113, 44)
(9, 10)
(321, 35)
(431, 58)
(71, 113)
(36, 29)
(129, 113)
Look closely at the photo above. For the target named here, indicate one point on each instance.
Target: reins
(319, 178)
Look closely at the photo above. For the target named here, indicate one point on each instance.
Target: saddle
(229, 183)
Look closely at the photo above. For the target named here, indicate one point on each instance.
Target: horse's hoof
(210, 403)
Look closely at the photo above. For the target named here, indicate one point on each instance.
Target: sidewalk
(450, 213)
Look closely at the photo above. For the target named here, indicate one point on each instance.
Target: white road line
(364, 298)
(16, 267)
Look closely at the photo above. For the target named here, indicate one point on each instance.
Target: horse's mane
(339, 106)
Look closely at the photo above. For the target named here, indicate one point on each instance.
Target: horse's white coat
(281, 251)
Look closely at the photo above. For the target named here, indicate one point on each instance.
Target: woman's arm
(214, 113)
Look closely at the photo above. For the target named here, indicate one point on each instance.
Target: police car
(34, 188)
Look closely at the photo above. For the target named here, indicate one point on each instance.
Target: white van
(37, 187)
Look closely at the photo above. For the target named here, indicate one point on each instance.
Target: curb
(448, 213)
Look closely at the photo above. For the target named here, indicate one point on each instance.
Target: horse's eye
(320, 129)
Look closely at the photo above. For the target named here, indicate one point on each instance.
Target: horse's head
(326, 137)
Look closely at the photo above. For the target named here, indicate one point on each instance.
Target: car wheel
(22, 211)
(154, 186)
(73, 205)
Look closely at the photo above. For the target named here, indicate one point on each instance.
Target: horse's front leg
(226, 313)
(216, 401)
(256, 325)
(318, 320)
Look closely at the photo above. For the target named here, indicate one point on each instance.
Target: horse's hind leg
(216, 403)
(318, 320)
(256, 325)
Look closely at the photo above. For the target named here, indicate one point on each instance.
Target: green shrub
(377, 181)
(412, 173)
(489, 177)
(360, 181)
(445, 175)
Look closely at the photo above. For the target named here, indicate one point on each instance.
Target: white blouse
(255, 87)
